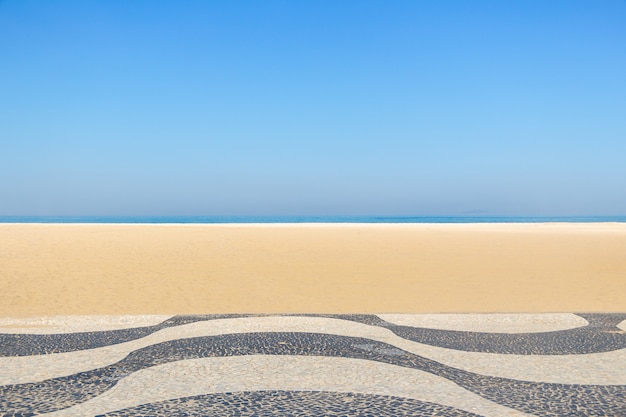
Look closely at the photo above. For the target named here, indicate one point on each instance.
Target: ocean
(308, 219)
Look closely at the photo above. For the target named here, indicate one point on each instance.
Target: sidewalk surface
(489, 365)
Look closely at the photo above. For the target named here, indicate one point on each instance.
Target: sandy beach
(68, 269)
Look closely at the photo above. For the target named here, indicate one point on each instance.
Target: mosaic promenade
(491, 365)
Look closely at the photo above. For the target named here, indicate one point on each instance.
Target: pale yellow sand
(169, 269)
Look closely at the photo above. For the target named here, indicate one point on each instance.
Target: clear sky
(312, 107)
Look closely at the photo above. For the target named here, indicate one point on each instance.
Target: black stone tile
(601, 335)
(42, 344)
(292, 403)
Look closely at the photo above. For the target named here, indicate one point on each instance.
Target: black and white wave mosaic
(381, 353)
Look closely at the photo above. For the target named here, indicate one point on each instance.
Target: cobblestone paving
(361, 365)
(292, 403)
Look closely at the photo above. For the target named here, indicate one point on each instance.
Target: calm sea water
(305, 219)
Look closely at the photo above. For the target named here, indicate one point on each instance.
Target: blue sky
(312, 108)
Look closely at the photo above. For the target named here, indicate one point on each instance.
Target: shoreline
(145, 268)
(495, 225)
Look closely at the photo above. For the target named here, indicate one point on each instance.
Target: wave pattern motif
(532, 397)
(600, 335)
(42, 344)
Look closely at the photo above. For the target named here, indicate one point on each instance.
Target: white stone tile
(489, 323)
(75, 324)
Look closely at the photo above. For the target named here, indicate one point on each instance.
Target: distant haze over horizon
(325, 108)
